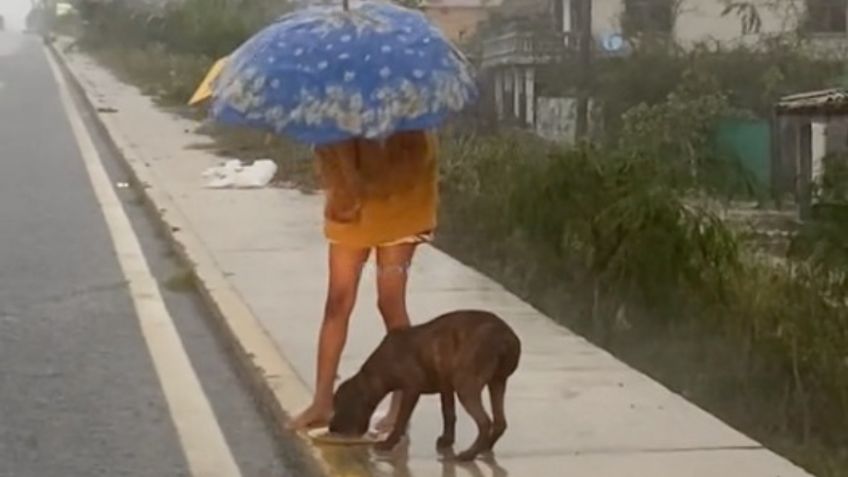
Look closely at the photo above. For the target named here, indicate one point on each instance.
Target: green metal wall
(749, 140)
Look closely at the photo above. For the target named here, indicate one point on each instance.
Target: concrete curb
(271, 378)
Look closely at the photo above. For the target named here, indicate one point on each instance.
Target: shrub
(784, 315)
(170, 77)
(610, 241)
(209, 28)
(620, 217)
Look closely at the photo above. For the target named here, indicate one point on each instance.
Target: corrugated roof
(815, 102)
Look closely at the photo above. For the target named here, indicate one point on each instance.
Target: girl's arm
(337, 168)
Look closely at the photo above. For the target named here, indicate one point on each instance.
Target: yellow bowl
(323, 436)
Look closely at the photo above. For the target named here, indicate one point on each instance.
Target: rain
(252, 238)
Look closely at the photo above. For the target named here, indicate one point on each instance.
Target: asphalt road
(79, 393)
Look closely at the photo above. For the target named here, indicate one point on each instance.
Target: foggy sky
(15, 12)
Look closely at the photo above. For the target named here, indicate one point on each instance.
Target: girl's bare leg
(392, 275)
(345, 270)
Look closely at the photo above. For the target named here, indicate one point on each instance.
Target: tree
(748, 14)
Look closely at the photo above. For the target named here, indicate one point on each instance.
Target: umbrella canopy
(323, 75)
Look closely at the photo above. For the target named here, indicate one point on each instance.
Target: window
(648, 16)
(827, 16)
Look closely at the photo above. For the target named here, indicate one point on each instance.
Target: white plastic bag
(232, 174)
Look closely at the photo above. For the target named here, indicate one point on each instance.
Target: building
(808, 127)
(542, 33)
(458, 19)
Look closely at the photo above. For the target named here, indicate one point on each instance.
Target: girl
(381, 198)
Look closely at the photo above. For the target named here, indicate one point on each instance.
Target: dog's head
(353, 405)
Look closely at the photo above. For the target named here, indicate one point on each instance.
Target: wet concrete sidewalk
(573, 409)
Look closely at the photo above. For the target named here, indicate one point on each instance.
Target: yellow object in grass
(204, 90)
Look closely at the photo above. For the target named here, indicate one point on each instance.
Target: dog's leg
(471, 399)
(448, 436)
(497, 391)
(409, 399)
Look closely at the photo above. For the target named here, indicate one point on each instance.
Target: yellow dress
(391, 185)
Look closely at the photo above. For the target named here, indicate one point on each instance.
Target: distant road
(102, 371)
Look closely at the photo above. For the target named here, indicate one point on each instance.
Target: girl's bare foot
(314, 417)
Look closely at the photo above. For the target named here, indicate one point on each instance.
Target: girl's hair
(395, 164)
(354, 170)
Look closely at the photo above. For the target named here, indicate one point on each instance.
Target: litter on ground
(233, 174)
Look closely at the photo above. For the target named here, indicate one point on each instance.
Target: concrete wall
(606, 16)
(819, 149)
(701, 20)
(556, 119)
(457, 23)
(798, 161)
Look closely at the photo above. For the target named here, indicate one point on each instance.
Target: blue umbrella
(324, 74)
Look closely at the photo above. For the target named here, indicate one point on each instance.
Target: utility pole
(584, 64)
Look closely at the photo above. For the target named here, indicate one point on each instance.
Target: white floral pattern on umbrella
(323, 75)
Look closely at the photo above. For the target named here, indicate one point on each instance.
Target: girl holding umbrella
(388, 216)
(366, 87)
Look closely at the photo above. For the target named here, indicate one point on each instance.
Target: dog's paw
(467, 456)
(444, 442)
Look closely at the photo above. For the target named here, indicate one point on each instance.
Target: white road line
(203, 443)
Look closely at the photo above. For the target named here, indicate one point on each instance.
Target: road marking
(203, 443)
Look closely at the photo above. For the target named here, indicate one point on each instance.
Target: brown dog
(460, 352)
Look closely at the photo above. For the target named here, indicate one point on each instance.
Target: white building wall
(606, 17)
(701, 20)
